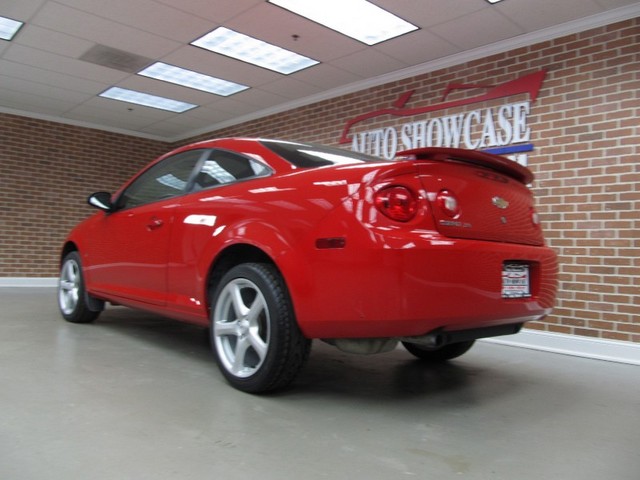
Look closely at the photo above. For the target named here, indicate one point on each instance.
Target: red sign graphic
(527, 84)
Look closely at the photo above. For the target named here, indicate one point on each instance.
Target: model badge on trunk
(500, 202)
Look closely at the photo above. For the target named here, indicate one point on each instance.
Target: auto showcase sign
(502, 129)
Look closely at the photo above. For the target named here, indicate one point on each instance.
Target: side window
(222, 166)
(166, 179)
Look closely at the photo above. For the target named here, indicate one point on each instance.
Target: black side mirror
(101, 200)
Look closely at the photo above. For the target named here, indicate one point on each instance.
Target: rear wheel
(438, 354)
(254, 334)
(72, 297)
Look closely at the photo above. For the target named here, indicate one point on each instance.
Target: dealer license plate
(515, 280)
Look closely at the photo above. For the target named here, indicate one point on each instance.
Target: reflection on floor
(135, 396)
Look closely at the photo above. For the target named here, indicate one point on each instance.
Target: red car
(272, 244)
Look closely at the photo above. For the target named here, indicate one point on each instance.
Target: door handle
(154, 224)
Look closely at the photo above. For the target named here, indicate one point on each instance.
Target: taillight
(535, 217)
(398, 203)
(448, 203)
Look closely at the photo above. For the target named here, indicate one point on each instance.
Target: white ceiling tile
(291, 88)
(327, 76)
(478, 29)
(609, 4)
(251, 99)
(417, 47)
(103, 31)
(20, 10)
(435, 12)
(96, 108)
(54, 79)
(548, 13)
(221, 11)
(30, 102)
(157, 18)
(369, 63)
(60, 64)
(43, 90)
(52, 41)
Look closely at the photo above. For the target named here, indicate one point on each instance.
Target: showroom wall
(571, 115)
(47, 170)
(585, 132)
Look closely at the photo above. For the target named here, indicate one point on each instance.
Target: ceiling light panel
(251, 50)
(140, 98)
(8, 28)
(357, 19)
(191, 79)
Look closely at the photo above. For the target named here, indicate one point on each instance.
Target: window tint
(222, 166)
(166, 179)
(310, 156)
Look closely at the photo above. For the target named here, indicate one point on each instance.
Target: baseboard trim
(587, 347)
(28, 282)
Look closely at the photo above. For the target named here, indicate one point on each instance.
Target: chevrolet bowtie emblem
(500, 202)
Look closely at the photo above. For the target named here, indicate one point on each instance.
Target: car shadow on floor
(329, 372)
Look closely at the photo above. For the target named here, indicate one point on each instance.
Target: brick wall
(584, 126)
(586, 130)
(47, 170)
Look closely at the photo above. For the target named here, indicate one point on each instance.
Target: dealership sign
(501, 129)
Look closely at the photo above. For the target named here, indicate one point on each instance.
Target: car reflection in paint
(272, 244)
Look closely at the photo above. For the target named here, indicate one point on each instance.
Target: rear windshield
(306, 155)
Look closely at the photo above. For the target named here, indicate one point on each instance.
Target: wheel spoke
(226, 328)
(257, 307)
(255, 315)
(238, 303)
(257, 344)
(239, 362)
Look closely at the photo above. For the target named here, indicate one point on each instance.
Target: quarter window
(222, 166)
(166, 179)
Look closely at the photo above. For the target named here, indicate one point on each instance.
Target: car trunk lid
(476, 195)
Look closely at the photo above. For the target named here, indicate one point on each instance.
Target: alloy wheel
(241, 328)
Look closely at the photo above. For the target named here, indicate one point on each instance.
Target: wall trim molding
(586, 347)
(28, 282)
(577, 346)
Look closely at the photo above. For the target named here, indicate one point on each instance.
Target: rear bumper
(426, 284)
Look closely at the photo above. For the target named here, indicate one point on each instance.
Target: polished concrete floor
(137, 397)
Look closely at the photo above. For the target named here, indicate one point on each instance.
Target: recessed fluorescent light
(357, 19)
(139, 98)
(8, 28)
(188, 78)
(251, 50)
(493, 1)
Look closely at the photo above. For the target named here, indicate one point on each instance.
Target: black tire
(72, 297)
(438, 354)
(254, 333)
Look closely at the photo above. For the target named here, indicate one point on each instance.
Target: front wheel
(254, 333)
(72, 298)
(438, 354)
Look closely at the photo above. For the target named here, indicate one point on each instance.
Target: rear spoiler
(473, 157)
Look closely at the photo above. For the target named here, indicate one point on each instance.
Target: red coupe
(273, 243)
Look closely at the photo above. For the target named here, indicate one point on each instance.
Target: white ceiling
(42, 76)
